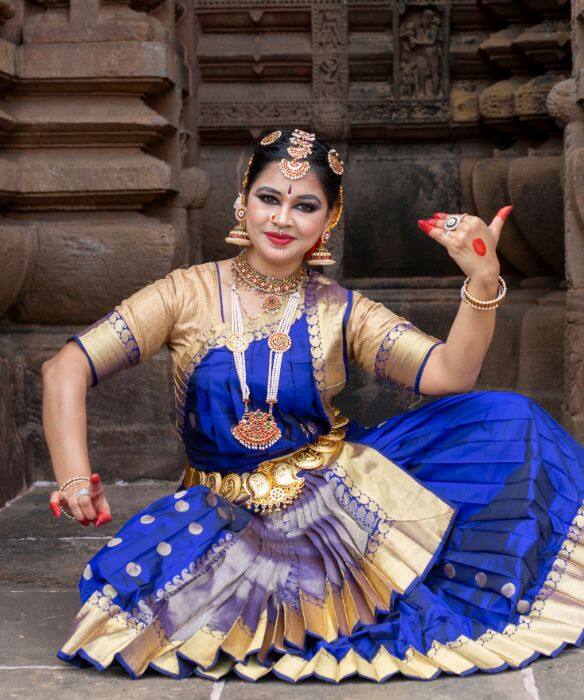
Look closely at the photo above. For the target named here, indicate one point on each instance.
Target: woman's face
(298, 208)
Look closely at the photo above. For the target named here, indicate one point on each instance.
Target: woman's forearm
(470, 336)
(64, 415)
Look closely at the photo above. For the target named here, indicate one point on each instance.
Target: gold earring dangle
(321, 255)
(238, 234)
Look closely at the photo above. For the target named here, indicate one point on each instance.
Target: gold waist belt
(273, 484)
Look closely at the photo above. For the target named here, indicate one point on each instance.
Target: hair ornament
(271, 138)
(337, 165)
(299, 149)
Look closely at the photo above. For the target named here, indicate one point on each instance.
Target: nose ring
(272, 220)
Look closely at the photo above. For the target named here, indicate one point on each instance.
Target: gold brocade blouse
(183, 311)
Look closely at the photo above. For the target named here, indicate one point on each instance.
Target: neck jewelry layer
(274, 287)
(258, 429)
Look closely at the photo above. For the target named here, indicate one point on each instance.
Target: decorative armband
(109, 345)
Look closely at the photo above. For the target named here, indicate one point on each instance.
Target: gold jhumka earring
(321, 255)
(238, 234)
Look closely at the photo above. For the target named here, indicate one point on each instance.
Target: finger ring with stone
(82, 492)
(452, 222)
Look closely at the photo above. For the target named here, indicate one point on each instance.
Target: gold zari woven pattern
(273, 484)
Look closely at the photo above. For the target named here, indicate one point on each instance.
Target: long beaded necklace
(258, 429)
(274, 287)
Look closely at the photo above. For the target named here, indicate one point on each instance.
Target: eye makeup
(265, 197)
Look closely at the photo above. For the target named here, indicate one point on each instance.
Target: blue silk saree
(449, 538)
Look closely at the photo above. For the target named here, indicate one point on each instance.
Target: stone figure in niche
(421, 55)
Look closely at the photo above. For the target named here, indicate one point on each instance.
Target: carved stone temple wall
(125, 126)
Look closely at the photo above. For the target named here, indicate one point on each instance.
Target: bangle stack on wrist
(73, 480)
(480, 304)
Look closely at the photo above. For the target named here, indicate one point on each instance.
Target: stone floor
(41, 560)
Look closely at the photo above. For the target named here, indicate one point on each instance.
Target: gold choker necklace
(275, 287)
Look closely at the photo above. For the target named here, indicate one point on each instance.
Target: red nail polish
(432, 222)
(424, 225)
(439, 215)
(56, 510)
(85, 522)
(504, 212)
(95, 479)
(479, 246)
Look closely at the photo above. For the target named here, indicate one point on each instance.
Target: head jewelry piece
(299, 150)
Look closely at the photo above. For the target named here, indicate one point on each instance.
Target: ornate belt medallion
(273, 484)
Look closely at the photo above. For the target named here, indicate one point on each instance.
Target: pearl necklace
(257, 429)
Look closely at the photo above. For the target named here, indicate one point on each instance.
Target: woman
(448, 538)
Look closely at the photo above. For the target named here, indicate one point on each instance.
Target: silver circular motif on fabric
(133, 569)
(181, 506)
(179, 494)
(195, 528)
(449, 570)
(163, 548)
(508, 589)
(212, 500)
(481, 579)
(87, 572)
(109, 591)
(114, 542)
(147, 519)
(223, 513)
(523, 606)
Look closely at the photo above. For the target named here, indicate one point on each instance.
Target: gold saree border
(110, 345)
(326, 304)
(556, 618)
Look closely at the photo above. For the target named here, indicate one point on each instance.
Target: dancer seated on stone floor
(299, 542)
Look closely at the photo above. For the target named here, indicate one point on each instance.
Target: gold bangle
(484, 304)
(73, 480)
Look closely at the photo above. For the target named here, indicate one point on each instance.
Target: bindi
(290, 190)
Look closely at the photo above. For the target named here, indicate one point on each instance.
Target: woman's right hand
(93, 507)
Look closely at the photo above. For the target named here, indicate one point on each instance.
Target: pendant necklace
(275, 288)
(258, 429)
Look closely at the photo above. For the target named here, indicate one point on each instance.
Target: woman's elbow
(69, 362)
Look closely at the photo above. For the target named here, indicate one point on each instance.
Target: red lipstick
(280, 239)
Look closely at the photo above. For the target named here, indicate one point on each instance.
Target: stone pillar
(566, 103)
(97, 182)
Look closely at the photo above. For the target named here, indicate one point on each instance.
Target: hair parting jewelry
(300, 148)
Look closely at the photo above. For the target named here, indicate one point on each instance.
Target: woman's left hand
(473, 244)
